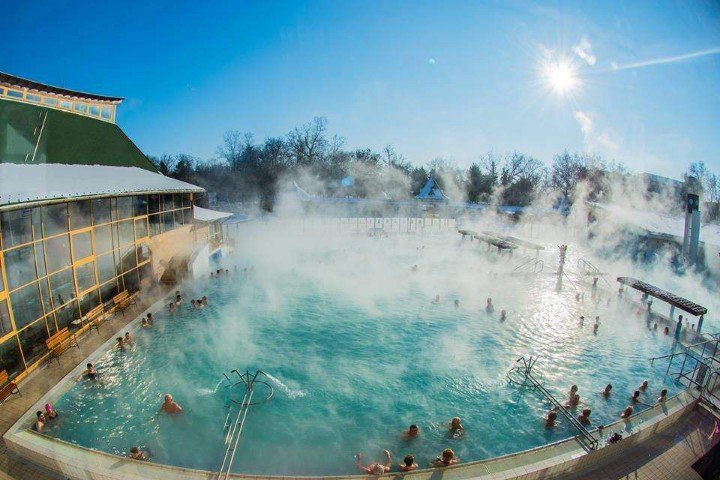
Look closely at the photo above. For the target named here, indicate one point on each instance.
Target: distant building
(431, 191)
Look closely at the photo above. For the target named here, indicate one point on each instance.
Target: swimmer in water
(635, 398)
(663, 396)
(120, 343)
(170, 406)
(414, 268)
(50, 412)
(596, 325)
(192, 303)
(171, 307)
(456, 428)
(446, 458)
(408, 464)
(150, 318)
(437, 300)
(489, 307)
(40, 422)
(584, 417)
(503, 315)
(644, 386)
(457, 304)
(627, 413)
(137, 454)
(550, 419)
(607, 391)
(205, 300)
(666, 331)
(89, 372)
(574, 401)
(144, 323)
(375, 468)
(178, 300)
(412, 432)
(582, 320)
(128, 339)
(655, 326)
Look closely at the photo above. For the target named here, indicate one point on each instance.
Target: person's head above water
(448, 454)
(413, 430)
(455, 423)
(409, 460)
(89, 365)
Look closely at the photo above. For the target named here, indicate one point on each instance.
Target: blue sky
(435, 79)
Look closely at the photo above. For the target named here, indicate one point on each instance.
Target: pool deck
(667, 454)
(34, 387)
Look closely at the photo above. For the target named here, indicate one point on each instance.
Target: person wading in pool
(375, 468)
(446, 458)
(411, 432)
(170, 406)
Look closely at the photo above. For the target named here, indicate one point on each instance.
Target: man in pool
(137, 454)
(644, 386)
(456, 428)
(607, 391)
(144, 323)
(489, 308)
(170, 406)
(635, 398)
(663, 396)
(89, 372)
(375, 468)
(204, 300)
(128, 339)
(408, 464)
(550, 419)
(627, 413)
(171, 307)
(412, 432)
(40, 422)
(584, 417)
(150, 318)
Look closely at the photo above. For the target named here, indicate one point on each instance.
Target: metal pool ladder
(521, 374)
(234, 424)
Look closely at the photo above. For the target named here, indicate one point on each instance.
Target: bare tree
(309, 142)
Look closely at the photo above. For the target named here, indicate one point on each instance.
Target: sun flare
(560, 76)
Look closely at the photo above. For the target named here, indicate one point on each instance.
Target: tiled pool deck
(669, 442)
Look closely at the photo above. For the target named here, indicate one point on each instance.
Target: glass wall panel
(178, 217)
(89, 301)
(32, 341)
(153, 203)
(82, 245)
(62, 286)
(101, 211)
(55, 219)
(2, 285)
(132, 283)
(20, 266)
(5, 324)
(141, 205)
(16, 227)
(146, 271)
(66, 315)
(155, 224)
(168, 201)
(109, 290)
(103, 239)
(125, 230)
(178, 200)
(80, 214)
(143, 252)
(45, 294)
(141, 228)
(185, 199)
(124, 207)
(40, 259)
(168, 221)
(10, 359)
(106, 267)
(128, 258)
(85, 275)
(57, 252)
(26, 305)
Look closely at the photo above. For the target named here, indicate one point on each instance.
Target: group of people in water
(574, 402)
(446, 458)
(44, 417)
(179, 300)
(489, 307)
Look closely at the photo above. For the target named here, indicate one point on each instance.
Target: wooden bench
(95, 316)
(8, 387)
(60, 342)
(123, 300)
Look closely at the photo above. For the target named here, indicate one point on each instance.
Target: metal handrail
(527, 373)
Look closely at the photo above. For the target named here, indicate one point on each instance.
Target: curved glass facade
(59, 261)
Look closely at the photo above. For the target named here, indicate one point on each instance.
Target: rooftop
(23, 83)
(47, 182)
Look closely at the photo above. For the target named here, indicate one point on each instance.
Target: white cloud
(595, 142)
(584, 51)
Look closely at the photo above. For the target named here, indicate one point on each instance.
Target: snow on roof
(23, 183)
(206, 215)
(659, 222)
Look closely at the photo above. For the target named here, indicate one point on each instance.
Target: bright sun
(560, 76)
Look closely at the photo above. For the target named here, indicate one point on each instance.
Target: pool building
(84, 217)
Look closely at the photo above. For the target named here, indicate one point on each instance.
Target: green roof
(64, 138)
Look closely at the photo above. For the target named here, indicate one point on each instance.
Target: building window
(106, 267)
(124, 207)
(32, 341)
(109, 290)
(32, 97)
(103, 239)
(85, 275)
(10, 358)
(155, 224)
(89, 301)
(128, 258)
(94, 110)
(20, 266)
(66, 315)
(80, 107)
(105, 113)
(80, 214)
(82, 246)
(63, 287)
(65, 104)
(125, 231)
(26, 305)
(153, 203)
(5, 324)
(40, 259)
(14, 94)
(101, 211)
(58, 253)
(2, 285)
(143, 252)
(55, 219)
(141, 205)
(141, 228)
(50, 101)
(16, 227)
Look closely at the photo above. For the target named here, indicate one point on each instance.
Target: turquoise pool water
(357, 352)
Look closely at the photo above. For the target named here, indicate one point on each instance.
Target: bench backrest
(4, 377)
(121, 297)
(94, 313)
(58, 338)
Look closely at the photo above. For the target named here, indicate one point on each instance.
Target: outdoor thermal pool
(357, 352)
